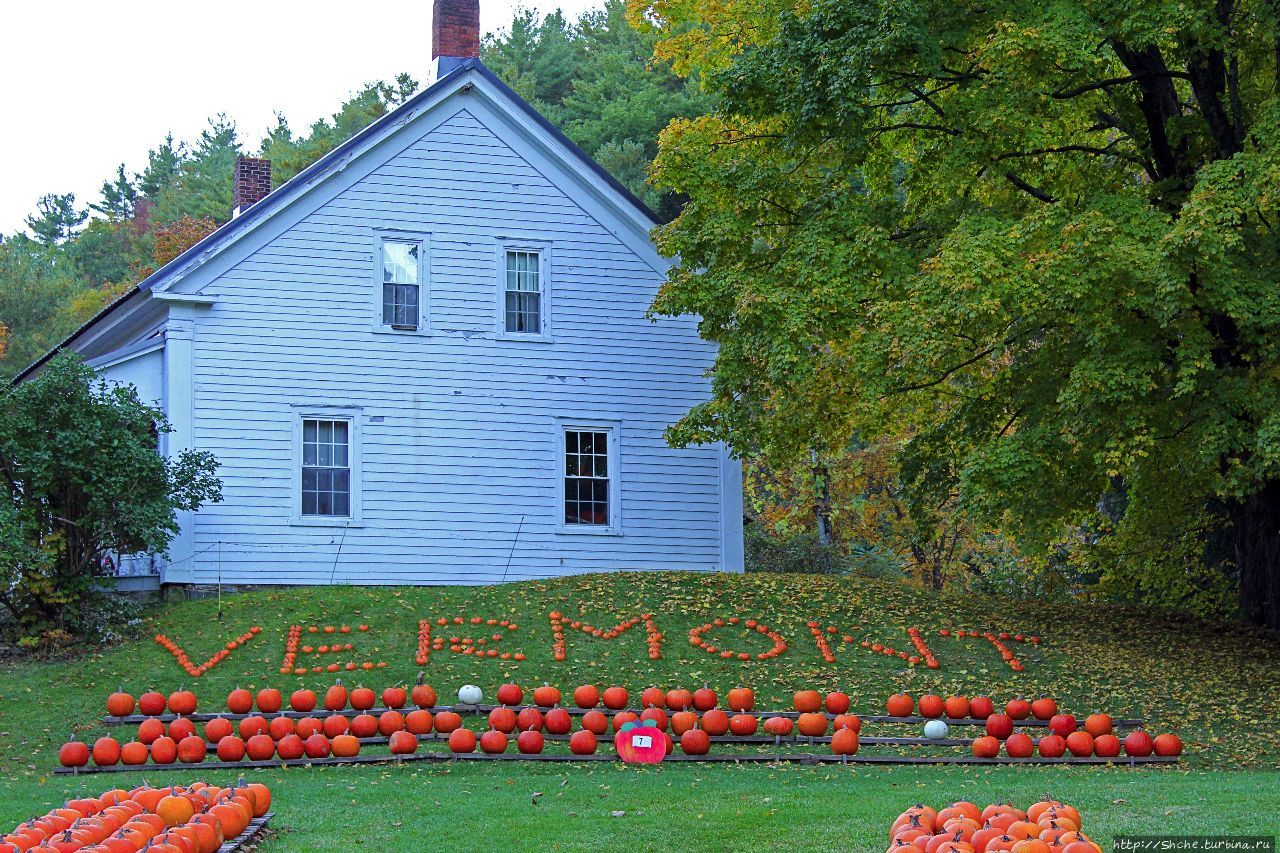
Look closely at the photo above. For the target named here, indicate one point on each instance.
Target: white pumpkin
(935, 729)
(469, 694)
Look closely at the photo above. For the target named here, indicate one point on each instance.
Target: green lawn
(1215, 686)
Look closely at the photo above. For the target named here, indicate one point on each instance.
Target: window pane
(326, 472)
(400, 262)
(586, 482)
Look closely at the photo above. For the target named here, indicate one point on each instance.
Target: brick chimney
(455, 34)
(252, 183)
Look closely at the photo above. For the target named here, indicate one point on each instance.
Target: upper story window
(523, 292)
(401, 270)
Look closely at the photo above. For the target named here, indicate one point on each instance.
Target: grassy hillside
(1214, 686)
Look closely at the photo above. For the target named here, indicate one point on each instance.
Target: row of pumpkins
(182, 819)
(1048, 826)
(263, 739)
(338, 697)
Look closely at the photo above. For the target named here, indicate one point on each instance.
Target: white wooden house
(426, 359)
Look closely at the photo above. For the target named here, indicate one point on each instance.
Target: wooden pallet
(794, 757)
(485, 709)
(253, 832)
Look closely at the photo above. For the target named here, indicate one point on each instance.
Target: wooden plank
(801, 757)
(253, 831)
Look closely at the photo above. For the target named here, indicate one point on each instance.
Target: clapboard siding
(460, 428)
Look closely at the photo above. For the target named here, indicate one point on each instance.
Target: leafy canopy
(1040, 235)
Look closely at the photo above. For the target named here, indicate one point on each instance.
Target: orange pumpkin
(743, 725)
(715, 722)
(583, 742)
(586, 696)
(345, 746)
(269, 700)
(900, 705)
(807, 701)
(423, 695)
(335, 698)
(741, 699)
(120, 704)
(778, 726)
(105, 752)
(932, 706)
(404, 743)
(175, 810)
(460, 740)
(503, 719)
(957, 707)
(615, 698)
(844, 742)
(593, 721)
(811, 724)
(1044, 708)
(546, 696)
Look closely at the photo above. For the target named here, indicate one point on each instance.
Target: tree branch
(1030, 190)
(1116, 81)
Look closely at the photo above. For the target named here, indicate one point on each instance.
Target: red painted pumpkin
(151, 703)
(418, 721)
(900, 705)
(390, 722)
(1098, 725)
(583, 742)
(291, 747)
(1080, 744)
(593, 721)
(678, 700)
(715, 722)
(844, 742)
(423, 695)
(615, 698)
(120, 704)
(448, 722)
(239, 701)
(932, 706)
(269, 700)
(1106, 746)
(1000, 726)
(1138, 744)
(1167, 745)
(530, 742)
(621, 718)
(586, 696)
(73, 753)
(395, 697)
(317, 746)
(106, 751)
(1052, 746)
(1062, 724)
(460, 740)
(957, 707)
(807, 701)
(546, 696)
(493, 742)
(557, 721)
(510, 694)
(986, 747)
(778, 726)
(502, 719)
(366, 725)
(230, 748)
(811, 724)
(303, 701)
(741, 699)
(657, 715)
(1019, 745)
(1018, 709)
(336, 724)
(335, 698)
(695, 742)
(362, 698)
(529, 718)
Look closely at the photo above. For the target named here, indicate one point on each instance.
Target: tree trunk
(1255, 537)
(822, 500)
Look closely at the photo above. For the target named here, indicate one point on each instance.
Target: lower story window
(586, 477)
(326, 467)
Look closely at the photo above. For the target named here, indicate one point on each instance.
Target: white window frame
(544, 283)
(352, 415)
(614, 430)
(381, 237)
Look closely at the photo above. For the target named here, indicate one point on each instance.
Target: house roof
(274, 200)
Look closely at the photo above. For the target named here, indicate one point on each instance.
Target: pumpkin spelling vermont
(331, 649)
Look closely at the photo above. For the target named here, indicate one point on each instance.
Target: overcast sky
(90, 85)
